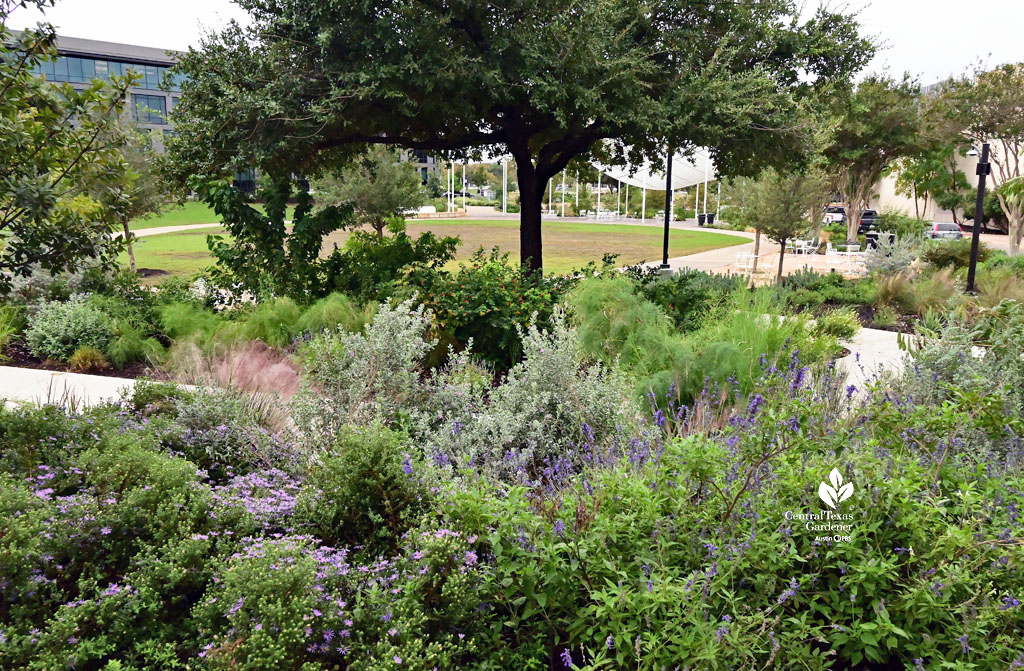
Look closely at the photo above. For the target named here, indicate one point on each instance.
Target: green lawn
(182, 215)
(567, 245)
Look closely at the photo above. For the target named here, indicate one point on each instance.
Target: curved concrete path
(75, 390)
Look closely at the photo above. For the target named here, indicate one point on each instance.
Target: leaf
(836, 478)
(827, 494)
(845, 492)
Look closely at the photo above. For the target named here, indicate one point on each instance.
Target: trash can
(711, 218)
(701, 219)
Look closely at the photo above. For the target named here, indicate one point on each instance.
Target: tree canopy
(876, 125)
(989, 107)
(59, 148)
(546, 81)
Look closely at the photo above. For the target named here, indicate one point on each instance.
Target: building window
(83, 70)
(149, 109)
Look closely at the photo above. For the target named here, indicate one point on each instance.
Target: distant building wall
(79, 61)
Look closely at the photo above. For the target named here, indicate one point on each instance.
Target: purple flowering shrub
(718, 547)
(288, 602)
(218, 428)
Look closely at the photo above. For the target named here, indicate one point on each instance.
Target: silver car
(940, 231)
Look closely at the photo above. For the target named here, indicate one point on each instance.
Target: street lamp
(668, 209)
(983, 171)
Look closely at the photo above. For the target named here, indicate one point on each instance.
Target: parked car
(939, 231)
(834, 214)
(868, 221)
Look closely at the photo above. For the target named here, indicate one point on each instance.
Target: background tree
(58, 147)
(989, 107)
(379, 185)
(141, 191)
(777, 204)
(874, 126)
(542, 80)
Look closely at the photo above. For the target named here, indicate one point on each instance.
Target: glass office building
(155, 93)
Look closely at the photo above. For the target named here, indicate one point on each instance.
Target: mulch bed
(17, 355)
(904, 324)
(151, 272)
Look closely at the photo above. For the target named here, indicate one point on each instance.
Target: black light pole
(984, 170)
(668, 208)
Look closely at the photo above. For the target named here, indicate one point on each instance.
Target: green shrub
(364, 491)
(272, 321)
(12, 323)
(370, 268)
(955, 253)
(56, 330)
(129, 346)
(487, 301)
(809, 289)
(885, 317)
(87, 360)
(842, 324)
(618, 326)
(188, 320)
(903, 225)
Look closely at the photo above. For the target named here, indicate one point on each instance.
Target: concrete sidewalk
(160, 230)
(872, 351)
(29, 385)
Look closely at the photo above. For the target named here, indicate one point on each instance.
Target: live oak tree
(59, 147)
(989, 107)
(545, 81)
(876, 125)
(377, 184)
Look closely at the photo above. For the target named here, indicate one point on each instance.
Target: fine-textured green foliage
(953, 253)
(333, 312)
(842, 324)
(620, 327)
(56, 330)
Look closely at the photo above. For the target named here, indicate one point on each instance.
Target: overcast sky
(928, 38)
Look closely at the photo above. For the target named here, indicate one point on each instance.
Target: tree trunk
(531, 201)
(782, 256)
(757, 250)
(131, 247)
(917, 210)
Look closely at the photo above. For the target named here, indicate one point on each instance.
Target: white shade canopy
(686, 171)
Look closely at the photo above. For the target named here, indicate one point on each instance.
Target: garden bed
(18, 356)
